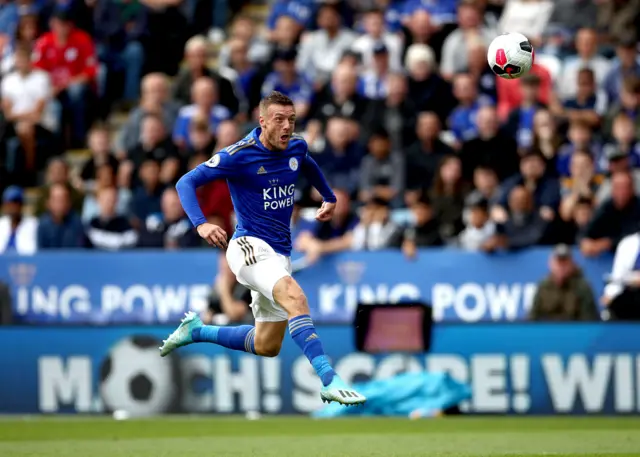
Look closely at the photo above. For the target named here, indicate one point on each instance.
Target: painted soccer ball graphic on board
(510, 55)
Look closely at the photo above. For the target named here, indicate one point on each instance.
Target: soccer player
(262, 170)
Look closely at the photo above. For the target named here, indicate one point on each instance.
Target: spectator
(119, 29)
(27, 31)
(171, 229)
(376, 36)
(58, 173)
(332, 236)
(26, 92)
(424, 231)
(341, 156)
(580, 139)
(455, 49)
(110, 231)
(544, 190)
(478, 68)
(146, 196)
(243, 31)
(587, 48)
(195, 54)
(588, 104)
(105, 179)
(155, 144)
(248, 76)
(381, 173)
(629, 104)
(524, 226)
(613, 219)
(480, 229)
(510, 91)
(155, 100)
(447, 196)
(491, 147)
(289, 81)
(373, 83)
(462, 121)
(427, 89)
(204, 94)
(627, 65)
(100, 155)
(396, 112)
(68, 55)
(624, 139)
(60, 227)
(622, 292)
(486, 184)
(229, 302)
(424, 156)
(201, 138)
(375, 230)
(582, 215)
(520, 121)
(564, 295)
(618, 161)
(546, 138)
(582, 184)
(285, 35)
(619, 19)
(17, 230)
(527, 17)
(299, 11)
(228, 133)
(338, 98)
(320, 51)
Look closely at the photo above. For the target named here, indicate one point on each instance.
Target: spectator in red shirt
(68, 55)
(510, 92)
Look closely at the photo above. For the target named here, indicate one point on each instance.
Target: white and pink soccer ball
(510, 55)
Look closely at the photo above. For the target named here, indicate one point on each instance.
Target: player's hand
(213, 235)
(325, 212)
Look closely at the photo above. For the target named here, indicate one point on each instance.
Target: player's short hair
(274, 98)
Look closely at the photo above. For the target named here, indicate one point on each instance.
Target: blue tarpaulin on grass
(409, 393)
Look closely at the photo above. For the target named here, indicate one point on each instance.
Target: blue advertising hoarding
(158, 287)
(516, 368)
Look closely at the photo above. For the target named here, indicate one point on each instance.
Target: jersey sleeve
(314, 174)
(220, 166)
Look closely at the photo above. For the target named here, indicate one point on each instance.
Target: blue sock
(240, 338)
(304, 334)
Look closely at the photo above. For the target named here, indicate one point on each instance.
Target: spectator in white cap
(426, 87)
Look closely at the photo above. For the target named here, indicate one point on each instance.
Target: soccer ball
(135, 379)
(510, 55)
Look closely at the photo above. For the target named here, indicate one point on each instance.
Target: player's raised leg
(288, 294)
(192, 330)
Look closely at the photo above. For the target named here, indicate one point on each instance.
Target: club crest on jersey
(293, 163)
(213, 161)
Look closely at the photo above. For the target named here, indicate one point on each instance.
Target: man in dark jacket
(564, 295)
(171, 229)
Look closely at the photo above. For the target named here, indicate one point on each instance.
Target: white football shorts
(258, 267)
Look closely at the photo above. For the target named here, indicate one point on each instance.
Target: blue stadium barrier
(514, 368)
(158, 287)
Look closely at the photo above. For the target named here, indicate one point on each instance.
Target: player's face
(278, 124)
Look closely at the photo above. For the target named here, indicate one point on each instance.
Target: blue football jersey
(262, 184)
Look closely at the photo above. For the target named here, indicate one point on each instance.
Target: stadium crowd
(423, 144)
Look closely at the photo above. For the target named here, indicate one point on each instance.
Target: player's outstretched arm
(315, 176)
(186, 187)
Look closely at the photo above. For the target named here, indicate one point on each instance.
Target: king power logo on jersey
(278, 197)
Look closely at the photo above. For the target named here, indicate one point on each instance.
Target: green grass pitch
(302, 437)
